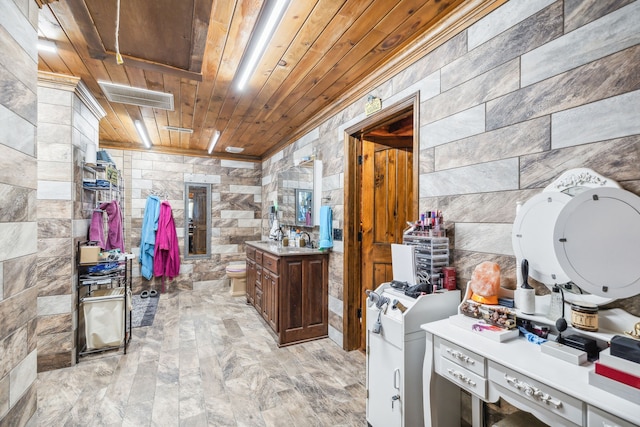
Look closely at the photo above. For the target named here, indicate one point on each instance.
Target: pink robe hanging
(166, 260)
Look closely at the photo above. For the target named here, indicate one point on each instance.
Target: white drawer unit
(598, 418)
(462, 356)
(519, 387)
(461, 366)
(464, 378)
(395, 354)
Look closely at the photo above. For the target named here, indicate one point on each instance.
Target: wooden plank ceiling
(322, 50)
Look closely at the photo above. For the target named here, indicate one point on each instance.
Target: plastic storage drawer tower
(431, 255)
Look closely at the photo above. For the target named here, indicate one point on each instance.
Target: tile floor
(208, 360)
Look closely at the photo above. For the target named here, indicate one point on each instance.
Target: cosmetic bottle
(555, 306)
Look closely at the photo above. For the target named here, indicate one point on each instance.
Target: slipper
(144, 294)
(153, 293)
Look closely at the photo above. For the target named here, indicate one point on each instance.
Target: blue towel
(148, 238)
(326, 227)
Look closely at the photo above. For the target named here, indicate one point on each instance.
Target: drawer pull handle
(461, 357)
(461, 377)
(533, 392)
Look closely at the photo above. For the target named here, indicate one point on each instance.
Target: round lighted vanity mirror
(596, 240)
(532, 236)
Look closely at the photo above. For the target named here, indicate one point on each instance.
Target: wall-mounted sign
(373, 104)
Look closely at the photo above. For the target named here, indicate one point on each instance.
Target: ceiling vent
(136, 96)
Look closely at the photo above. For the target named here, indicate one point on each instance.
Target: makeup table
(555, 391)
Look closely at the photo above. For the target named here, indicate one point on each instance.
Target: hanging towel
(96, 229)
(326, 226)
(166, 260)
(148, 237)
(115, 238)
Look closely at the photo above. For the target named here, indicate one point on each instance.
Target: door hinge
(367, 393)
(360, 160)
(359, 236)
(359, 313)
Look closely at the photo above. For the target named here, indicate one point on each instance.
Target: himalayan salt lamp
(485, 283)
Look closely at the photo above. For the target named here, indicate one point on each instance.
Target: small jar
(584, 316)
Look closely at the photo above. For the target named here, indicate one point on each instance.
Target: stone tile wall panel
(610, 76)
(511, 141)
(580, 12)
(526, 35)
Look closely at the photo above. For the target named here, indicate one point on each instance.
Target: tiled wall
(235, 210)
(18, 226)
(67, 122)
(533, 89)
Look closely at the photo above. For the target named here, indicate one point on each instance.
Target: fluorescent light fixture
(265, 29)
(214, 141)
(178, 129)
(142, 131)
(47, 46)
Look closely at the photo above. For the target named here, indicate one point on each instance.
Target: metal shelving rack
(88, 286)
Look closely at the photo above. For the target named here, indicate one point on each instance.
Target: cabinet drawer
(251, 253)
(461, 356)
(522, 387)
(599, 418)
(259, 257)
(464, 378)
(270, 262)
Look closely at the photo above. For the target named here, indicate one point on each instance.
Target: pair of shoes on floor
(147, 294)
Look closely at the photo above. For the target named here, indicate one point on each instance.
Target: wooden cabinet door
(258, 289)
(251, 281)
(272, 313)
(303, 299)
(266, 294)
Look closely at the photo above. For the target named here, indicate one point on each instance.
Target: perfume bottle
(555, 306)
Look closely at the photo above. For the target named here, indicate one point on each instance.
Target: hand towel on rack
(148, 238)
(115, 235)
(96, 229)
(326, 227)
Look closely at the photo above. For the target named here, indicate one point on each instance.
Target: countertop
(277, 249)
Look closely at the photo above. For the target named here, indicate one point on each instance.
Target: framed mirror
(197, 228)
(295, 192)
(304, 207)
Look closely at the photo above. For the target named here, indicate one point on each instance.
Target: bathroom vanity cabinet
(289, 288)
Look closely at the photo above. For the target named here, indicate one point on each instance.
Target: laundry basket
(104, 318)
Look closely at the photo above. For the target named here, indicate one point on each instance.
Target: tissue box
(89, 254)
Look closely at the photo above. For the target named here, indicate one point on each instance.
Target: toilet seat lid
(235, 268)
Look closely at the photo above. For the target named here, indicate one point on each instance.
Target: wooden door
(386, 206)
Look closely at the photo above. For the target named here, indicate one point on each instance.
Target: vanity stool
(238, 275)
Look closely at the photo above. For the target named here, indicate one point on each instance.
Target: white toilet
(238, 275)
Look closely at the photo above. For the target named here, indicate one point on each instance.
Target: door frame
(352, 275)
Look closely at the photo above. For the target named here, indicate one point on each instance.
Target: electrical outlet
(337, 234)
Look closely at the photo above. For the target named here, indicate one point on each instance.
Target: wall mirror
(298, 192)
(197, 227)
(582, 231)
